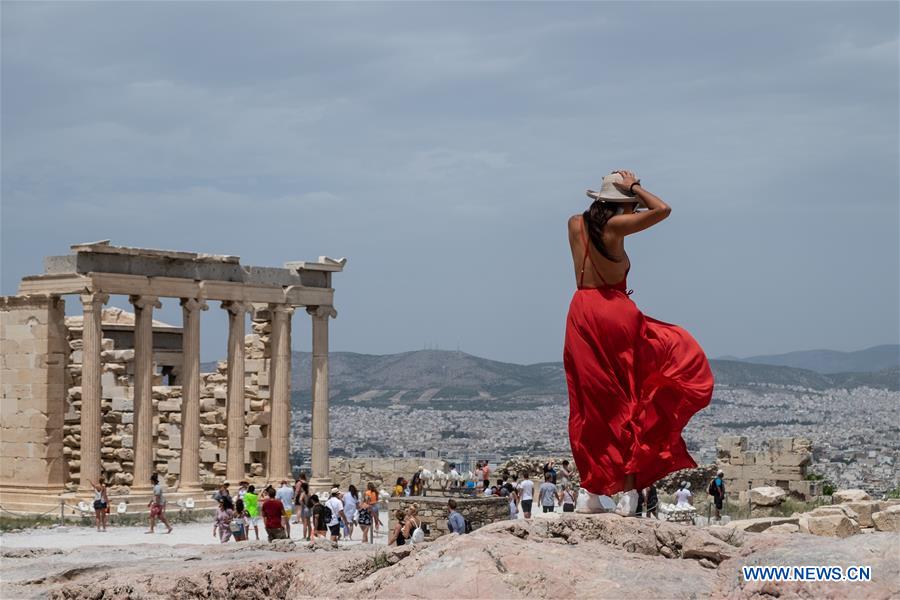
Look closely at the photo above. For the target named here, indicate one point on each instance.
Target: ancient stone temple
(120, 396)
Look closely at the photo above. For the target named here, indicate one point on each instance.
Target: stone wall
(32, 373)
(117, 407)
(381, 471)
(433, 512)
(781, 462)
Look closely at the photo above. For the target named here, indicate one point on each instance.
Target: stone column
(280, 388)
(90, 388)
(190, 395)
(237, 311)
(320, 469)
(143, 389)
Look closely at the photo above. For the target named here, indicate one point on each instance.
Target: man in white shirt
(285, 495)
(337, 514)
(526, 493)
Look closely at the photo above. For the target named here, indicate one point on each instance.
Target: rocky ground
(573, 556)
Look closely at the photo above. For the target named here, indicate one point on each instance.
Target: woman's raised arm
(657, 210)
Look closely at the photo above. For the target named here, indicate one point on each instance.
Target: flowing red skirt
(634, 383)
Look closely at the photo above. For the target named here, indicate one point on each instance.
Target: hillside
(456, 380)
(870, 360)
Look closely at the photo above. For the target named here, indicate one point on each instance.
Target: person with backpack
(412, 526)
(335, 514)
(717, 491)
(455, 521)
(240, 521)
(319, 522)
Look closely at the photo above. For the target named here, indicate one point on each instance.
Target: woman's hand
(628, 179)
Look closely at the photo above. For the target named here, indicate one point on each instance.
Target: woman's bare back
(610, 272)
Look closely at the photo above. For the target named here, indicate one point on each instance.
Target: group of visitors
(335, 517)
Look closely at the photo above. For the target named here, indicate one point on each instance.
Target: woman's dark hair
(227, 504)
(305, 487)
(239, 505)
(595, 219)
(353, 491)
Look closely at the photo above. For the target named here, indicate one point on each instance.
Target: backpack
(326, 514)
(468, 527)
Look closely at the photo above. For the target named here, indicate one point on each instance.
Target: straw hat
(610, 193)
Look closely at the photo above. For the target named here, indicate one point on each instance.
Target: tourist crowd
(277, 509)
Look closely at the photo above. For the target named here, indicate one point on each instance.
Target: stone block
(828, 525)
(258, 418)
(854, 495)
(887, 519)
(115, 391)
(835, 509)
(124, 454)
(174, 466)
(169, 405)
(254, 431)
(212, 455)
(259, 444)
(767, 496)
(122, 404)
(864, 510)
(216, 430)
(127, 418)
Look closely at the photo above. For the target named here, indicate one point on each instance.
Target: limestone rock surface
(577, 556)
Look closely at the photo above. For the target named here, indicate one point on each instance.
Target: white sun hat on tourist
(610, 193)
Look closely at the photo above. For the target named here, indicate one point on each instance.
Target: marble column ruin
(190, 404)
(280, 387)
(237, 312)
(320, 435)
(143, 389)
(91, 337)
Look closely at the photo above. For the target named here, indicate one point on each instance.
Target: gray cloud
(441, 147)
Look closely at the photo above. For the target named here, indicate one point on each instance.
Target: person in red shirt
(272, 510)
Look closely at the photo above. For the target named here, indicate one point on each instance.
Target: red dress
(634, 383)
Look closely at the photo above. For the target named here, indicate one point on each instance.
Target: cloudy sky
(441, 148)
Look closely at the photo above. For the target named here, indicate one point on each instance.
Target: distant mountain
(456, 380)
(429, 378)
(870, 360)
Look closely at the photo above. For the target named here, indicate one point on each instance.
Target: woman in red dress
(634, 382)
